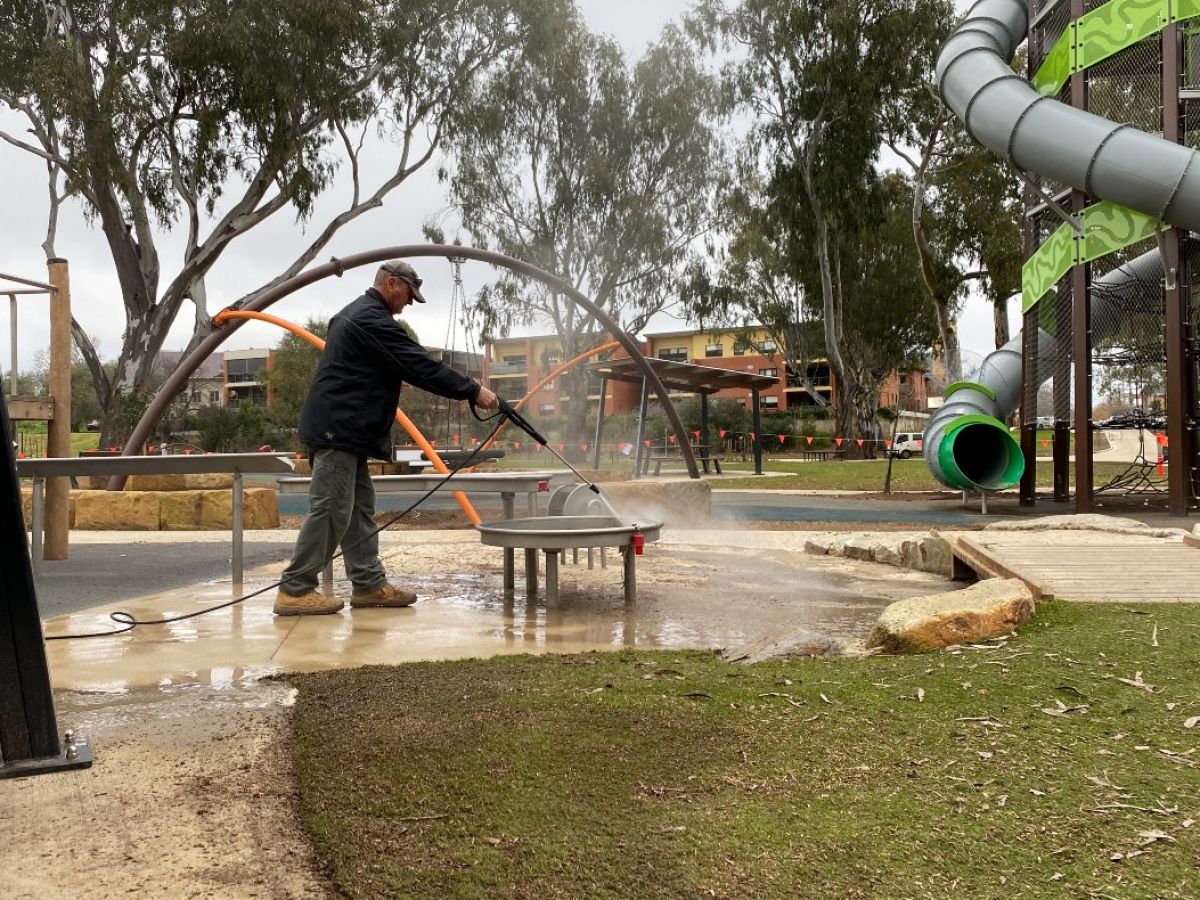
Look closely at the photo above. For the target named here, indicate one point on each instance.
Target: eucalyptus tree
(599, 171)
(211, 117)
(821, 79)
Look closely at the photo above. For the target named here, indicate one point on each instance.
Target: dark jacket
(351, 404)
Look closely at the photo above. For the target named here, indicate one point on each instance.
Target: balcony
(503, 370)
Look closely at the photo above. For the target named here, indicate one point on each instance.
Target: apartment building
(515, 365)
(243, 383)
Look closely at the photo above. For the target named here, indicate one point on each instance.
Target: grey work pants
(341, 510)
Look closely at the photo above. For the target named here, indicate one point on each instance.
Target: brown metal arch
(178, 379)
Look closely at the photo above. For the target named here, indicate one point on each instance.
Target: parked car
(906, 444)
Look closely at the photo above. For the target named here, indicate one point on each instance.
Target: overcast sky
(268, 249)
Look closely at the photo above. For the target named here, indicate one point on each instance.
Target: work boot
(313, 603)
(384, 595)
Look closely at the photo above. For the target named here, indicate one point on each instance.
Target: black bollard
(29, 741)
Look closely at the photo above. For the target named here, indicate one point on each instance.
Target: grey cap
(401, 269)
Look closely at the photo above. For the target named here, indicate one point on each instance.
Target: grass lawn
(868, 475)
(1026, 769)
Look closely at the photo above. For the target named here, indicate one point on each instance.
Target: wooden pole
(58, 442)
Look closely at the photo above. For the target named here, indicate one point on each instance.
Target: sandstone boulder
(259, 510)
(117, 510)
(179, 511)
(156, 483)
(208, 481)
(681, 502)
(975, 613)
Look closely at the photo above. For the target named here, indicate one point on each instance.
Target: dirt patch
(858, 527)
(192, 794)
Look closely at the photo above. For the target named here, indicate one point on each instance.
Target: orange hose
(405, 422)
(537, 387)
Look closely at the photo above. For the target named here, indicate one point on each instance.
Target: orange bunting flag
(457, 439)
(187, 452)
(516, 445)
(671, 438)
(113, 449)
(838, 441)
(782, 438)
(722, 432)
(1162, 439)
(647, 443)
(809, 439)
(858, 441)
(1160, 466)
(753, 436)
(474, 441)
(697, 434)
(562, 447)
(298, 456)
(538, 447)
(20, 454)
(888, 444)
(583, 447)
(1045, 442)
(150, 449)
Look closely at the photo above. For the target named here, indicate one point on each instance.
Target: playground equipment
(1126, 60)
(338, 267)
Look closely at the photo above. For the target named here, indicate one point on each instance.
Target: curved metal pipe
(406, 423)
(178, 379)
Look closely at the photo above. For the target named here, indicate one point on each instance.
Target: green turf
(1028, 768)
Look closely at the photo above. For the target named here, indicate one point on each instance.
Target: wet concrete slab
(696, 589)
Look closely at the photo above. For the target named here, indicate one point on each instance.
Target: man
(347, 418)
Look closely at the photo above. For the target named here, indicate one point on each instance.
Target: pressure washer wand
(509, 412)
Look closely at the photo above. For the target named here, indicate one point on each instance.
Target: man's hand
(486, 399)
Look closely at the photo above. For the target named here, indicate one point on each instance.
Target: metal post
(531, 572)
(704, 441)
(36, 522)
(641, 432)
(1061, 449)
(29, 741)
(591, 558)
(983, 503)
(1081, 327)
(630, 574)
(1029, 377)
(1178, 370)
(551, 577)
(757, 432)
(510, 554)
(12, 340)
(238, 494)
(600, 420)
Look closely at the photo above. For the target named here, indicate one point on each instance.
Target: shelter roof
(679, 376)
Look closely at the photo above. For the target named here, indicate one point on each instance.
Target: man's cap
(401, 269)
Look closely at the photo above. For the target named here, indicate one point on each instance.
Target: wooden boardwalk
(1087, 565)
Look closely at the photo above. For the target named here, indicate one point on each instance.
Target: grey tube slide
(966, 444)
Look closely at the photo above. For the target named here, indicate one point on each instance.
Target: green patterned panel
(1108, 227)
(1184, 9)
(1049, 263)
(1056, 67)
(1114, 26)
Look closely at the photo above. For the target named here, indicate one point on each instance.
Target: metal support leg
(510, 555)
(630, 574)
(531, 572)
(238, 493)
(604, 557)
(35, 526)
(552, 578)
(575, 556)
(591, 558)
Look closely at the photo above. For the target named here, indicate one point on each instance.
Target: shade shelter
(679, 376)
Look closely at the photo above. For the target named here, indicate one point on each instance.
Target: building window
(514, 360)
(553, 360)
(546, 409)
(767, 347)
(769, 402)
(711, 350)
(741, 401)
(676, 354)
(769, 373)
(245, 369)
(740, 348)
(549, 385)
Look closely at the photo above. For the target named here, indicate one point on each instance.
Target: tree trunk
(858, 415)
(1000, 320)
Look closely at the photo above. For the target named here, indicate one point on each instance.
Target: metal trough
(554, 534)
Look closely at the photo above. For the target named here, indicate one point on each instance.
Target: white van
(907, 443)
